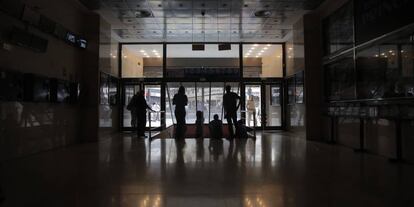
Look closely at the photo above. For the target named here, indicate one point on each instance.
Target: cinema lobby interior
(207, 103)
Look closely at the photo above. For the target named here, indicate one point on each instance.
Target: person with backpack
(231, 103)
(139, 108)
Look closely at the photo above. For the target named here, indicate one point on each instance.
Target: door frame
(142, 83)
(263, 100)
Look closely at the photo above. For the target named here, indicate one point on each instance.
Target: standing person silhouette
(230, 109)
(141, 113)
(180, 100)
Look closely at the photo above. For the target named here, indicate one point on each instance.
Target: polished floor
(278, 169)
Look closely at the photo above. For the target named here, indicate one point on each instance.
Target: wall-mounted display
(37, 88)
(63, 91)
(338, 30)
(70, 38)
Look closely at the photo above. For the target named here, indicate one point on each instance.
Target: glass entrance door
(253, 98)
(129, 90)
(153, 98)
(263, 104)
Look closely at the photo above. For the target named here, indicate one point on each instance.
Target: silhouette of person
(180, 100)
(132, 108)
(230, 108)
(141, 112)
(216, 128)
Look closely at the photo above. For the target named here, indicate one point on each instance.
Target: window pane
(183, 61)
(262, 60)
(340, 79)
(142, 61)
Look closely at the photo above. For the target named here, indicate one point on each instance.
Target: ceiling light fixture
(263, 13)
(143, 14)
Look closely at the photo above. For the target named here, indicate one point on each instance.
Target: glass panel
(142, 61)
(273, 105)
(253, 104)
(203, 95)
(153, 98)
(340, 79)
(262, 60)
(130, 90)
(380, 74)
(171, 90)
(183, 61)
(338, 30)
(216, 101)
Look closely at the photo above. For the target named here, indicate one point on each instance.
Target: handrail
(372, 100)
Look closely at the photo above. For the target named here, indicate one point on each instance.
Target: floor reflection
(276, 169)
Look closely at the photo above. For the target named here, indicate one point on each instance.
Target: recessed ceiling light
(125, 56)
(142, 14)
(261, 51)
(257, 56)
(268, 45)
(255, 45)
(290, 48)
(143, 51)
(154, 51)
(265, 48)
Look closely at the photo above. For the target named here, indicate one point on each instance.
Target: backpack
(131, 106)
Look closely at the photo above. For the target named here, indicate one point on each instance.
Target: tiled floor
(278, 169)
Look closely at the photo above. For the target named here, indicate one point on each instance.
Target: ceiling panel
(203, 20)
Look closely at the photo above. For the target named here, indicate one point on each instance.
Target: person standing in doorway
(141, 113)
(231, 103)
(251, 110)
(180, 100)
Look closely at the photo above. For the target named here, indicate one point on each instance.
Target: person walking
(141, 107)
(180, 100)
(251, 110)
(231, 103)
